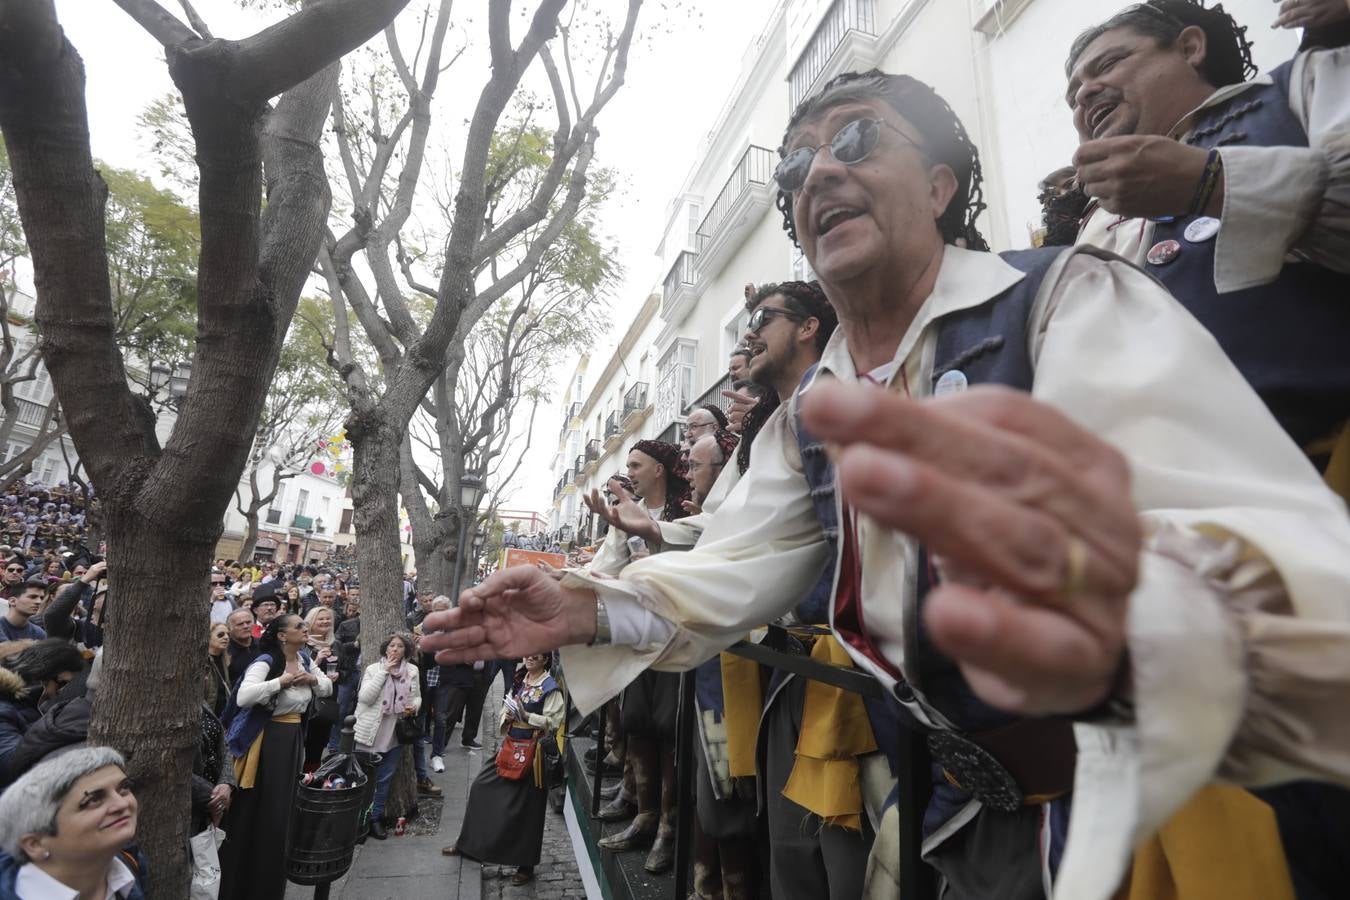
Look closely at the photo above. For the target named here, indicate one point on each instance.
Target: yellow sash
(835, 731)
(246, 769)
(742, 703)
(1222, 845)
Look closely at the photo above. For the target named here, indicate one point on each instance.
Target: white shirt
(221, 609)
(257, 688)
(1240, 623)
(34, 884)
(1280, 203)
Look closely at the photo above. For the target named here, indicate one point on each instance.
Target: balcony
(847, 23)
(574, 411)
(579, 466)
(713, 396)
(743, 199)
(673, 393)
(304, 523)
(613, 431)
(30, 413)
(678, 290)
(634, 404)
(592, 450)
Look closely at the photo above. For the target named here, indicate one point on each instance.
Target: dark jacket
(9, 874)
(240, 658)
(347, 646)
(18, 711)
(56, 620)
(64, 725)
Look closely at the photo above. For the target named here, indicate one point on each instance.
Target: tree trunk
(250, 536)
(159, 748)
(375, 444)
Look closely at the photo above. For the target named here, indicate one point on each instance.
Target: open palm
(512, 613)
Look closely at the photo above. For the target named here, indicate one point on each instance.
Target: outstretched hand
(512, 613)
(1311, 13)
(1031, 516)
(625, 514)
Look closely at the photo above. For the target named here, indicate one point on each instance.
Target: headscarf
(677, 485)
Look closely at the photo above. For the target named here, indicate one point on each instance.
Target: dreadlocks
(944, 141)
(1228, 53)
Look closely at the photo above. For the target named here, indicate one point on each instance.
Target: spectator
(56, 617)
(218, 667)
(466, 690)
(28, 678)
(293, 601)
(222, 601)
(243, 648)
(708, 457)
(213, 781)
(348, 649)
(389, 692)
(63, 827)
(265, 609)
(14, 578)
(243, 585)
(277, 689)
(504, 816)
(319, 621)
(15, 624)
(435, 696)
(738, 366)
(704, 420)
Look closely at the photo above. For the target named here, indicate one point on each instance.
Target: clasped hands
(1029, 515)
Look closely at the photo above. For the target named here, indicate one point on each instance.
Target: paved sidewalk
(412, 868)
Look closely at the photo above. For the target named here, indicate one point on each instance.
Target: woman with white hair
(63, 826)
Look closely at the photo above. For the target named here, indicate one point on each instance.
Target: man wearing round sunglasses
(13, 579)
(1072, 576)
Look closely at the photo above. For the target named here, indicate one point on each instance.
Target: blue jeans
(420, 759)
(434, 708)
(346, 698)
(384, 774)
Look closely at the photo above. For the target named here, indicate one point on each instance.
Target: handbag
(555, 773)
(205, 849)
(407, 731)
(324, 710)
(516, 757)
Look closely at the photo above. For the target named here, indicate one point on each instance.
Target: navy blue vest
(989, 345)
(532, 700)
(1289, 338)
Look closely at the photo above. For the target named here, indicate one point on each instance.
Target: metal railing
(574, 410)
(635, 400)
(673, 393)
(612, 425)
(592, 450)
(755, 167)
(579, 464)
(29, 413)
(843, 16)
(274, 517)
(776, 651)
(304, 523)
(713, 396)
(681, 275)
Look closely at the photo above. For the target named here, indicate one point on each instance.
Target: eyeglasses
(763, 313)
(850, 145)
(14, 569)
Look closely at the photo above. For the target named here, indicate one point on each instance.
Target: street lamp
(470, 494)
(479, 539)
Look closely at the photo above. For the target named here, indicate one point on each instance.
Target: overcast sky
(677, 80)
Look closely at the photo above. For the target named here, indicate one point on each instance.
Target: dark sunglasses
(850, 145)
(762, 314)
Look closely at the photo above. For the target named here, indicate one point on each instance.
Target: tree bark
(164, 506)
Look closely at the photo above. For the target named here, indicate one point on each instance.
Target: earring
(46, 854)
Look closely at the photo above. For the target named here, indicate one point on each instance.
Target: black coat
(64, 724)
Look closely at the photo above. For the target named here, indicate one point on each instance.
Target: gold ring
(1075, 566)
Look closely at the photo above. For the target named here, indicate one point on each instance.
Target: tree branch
(159, 22)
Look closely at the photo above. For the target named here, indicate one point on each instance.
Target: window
(346, 527)
(675, 389)
(694, 222)
(735, 330)
(48, 470)
(302, 503)
(801, 269)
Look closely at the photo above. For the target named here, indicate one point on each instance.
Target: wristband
(1209, 181)
(1118, 707)
(603, 637)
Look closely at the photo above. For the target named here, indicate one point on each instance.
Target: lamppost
(470, 493)
(479, 539)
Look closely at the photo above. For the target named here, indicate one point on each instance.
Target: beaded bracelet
(1209, 181)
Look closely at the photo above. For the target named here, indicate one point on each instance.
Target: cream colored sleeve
(1291, 203)
(759, 554)
(1239, 627)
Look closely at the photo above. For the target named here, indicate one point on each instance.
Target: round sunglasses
(851, 144)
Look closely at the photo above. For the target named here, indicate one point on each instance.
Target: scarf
(397, 694)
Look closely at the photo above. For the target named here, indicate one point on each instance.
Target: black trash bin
(324, 825)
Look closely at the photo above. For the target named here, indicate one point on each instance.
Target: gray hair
(29, 805)
(440, 601)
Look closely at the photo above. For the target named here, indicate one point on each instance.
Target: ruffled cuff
(1271, 194)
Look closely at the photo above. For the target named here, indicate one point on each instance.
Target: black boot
(377, 830)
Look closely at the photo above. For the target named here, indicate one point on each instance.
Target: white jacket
(368, 699)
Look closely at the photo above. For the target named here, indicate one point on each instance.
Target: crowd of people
(1077, 509)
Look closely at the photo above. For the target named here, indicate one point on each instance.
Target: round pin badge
(1163, 253)
(953, 382)
(1202, 229)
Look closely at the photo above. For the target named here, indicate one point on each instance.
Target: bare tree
(164, 506)
(488, 252)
